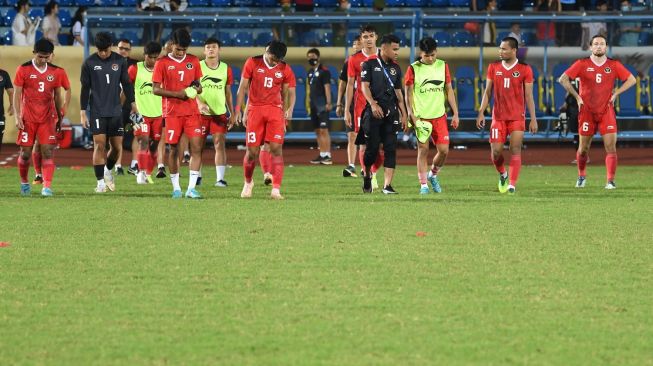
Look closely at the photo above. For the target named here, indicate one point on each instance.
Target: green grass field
(550, 276)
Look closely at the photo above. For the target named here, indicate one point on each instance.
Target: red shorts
(151, 127)
(588, 122)
(500, 130)
(214, 124)
(358, 114)
(440, 134)
(188, 125)
(45, 132)
(265, 124)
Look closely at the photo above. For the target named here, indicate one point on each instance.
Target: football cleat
(38, 180)
(511, 189)
(46, 192)
(375, 183)
(580, 183)
(161, 173)
(149, 180)
(275, 194)
(367, 184)
(108, 180)
(176, 194)
(140, 178)
(133, 170)
(317, 160)
(503, 183)
(267, 179)
(221, 183)
(435, 182)
(424, 190)
(389, 190)
(25, 189)
(101, 189)
(326, 161)
(193, 193)
(349, 171)
(119, 171)
(611, 185)
(247, 190)
(185, 159)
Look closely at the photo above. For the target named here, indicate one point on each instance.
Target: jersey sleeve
(351, 72)
(18, 79)
(447, 74)
(65, 82)
(8, 84)
(366, 73)
(528, 74)
(343, 72)
(248, 69)
(132, 71)
(230, 76)
(410, 76)
(325, 75)
(289, 77)
(574, 71)
(158, 73)
(490, 72)
(622, 72)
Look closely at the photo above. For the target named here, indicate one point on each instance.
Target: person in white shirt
(79, 29)
(23, 29)
(51, 23)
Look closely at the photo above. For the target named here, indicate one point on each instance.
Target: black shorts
(320, 120)
(2, 128)
(110, 126)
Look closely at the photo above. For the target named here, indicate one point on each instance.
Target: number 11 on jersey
(506, 83)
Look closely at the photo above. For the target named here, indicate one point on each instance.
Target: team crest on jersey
(189, 66)
(278, 74)
(114, 67)
(516, 74)
(393, 72)
(608, 70)
(50, 77)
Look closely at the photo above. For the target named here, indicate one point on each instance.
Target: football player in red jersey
(512, 82)
(270, 85)
(37, 84)
(597, 75)
(177, 79)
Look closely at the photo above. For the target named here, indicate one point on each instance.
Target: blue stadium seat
(234, 87)
(327, 39)
(35, 3)
(244, 3)
(301, 109)
(65, 39)
(129, 2)
(403, 38)
(538, 92)
(459, 3)
(350, 36)
(198, 38)
(643, 39)
(559, 92)
(225, 39)
(529, 39)
(132, 36)
(309, 39)
(9, 17)
(195, 3)
(106, 3)
(443, 39)
(415, 3)
(244, 39)
(368, 3)
(7, 38)
(66, 3)
(36, 13)
(464, 39)
(326, 4)
(465, 82)
(221, 3)
(501, 36)
(438, 3)
(356, 3)
(394, 3)
(85, 2)
(645, 94)
(263, 39)
(335, 73)
(65, 18)
(628, 102)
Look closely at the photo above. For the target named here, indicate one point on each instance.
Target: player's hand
(57, 126)
(181, 94)
(84, 120)
(404, 124)
(10, 110)
(19, 123)
(243, 119)
(377, 111)
(412, 119)
(339, 110)
(532, 127)
(288, 116)
(613, 98)
(204, 109)
(329, 107)
(348, 119)
(233, 120)
(580, 102)
(455, 122)
(480, 120)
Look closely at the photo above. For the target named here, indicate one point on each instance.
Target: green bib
(214, 84)
(149, 105)
(428, 89)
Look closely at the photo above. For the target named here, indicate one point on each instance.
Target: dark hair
(212, 40)
(78, 17)
(599, 36)
(43, 45)
(367, 28)
(20, 4)
(428, 44)
(103, 40)
(125, 40)
(357, 38)
(152, 48)
(181, 38)
(314, 51)
(512, 42)
(389, 39)
(278, 49)
(49, 6)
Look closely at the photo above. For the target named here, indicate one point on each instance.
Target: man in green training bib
(214, 102)
(426, 82)
(149, 123)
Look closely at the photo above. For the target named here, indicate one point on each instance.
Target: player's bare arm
(530, 104)
(409, 105)
(341, 93)
(327, 92)
(68, 93)
(564, 81)
(625, 86)
(289, 99)
(18, 93)
(229, 99)
(58, 104)
(349, 97)
(377, 111)
(243, 89)
(10, 94)
(480, 119)
(158, 90)
(402, 109)
(451, 99)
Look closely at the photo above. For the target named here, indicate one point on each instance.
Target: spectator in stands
(629, 31)
(51, 24)
(177, 6)
(489, 28)
(515, 32)
(79, 29)
(593, 28)
(477, 5)
(570, 32)
(339, 29)
(23, 29)
(546, 31)
(166, 5)
(152, 30)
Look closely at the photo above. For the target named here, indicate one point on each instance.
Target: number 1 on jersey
(108, 81)
(267, 82)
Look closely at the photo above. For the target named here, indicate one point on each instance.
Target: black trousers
(381, 131)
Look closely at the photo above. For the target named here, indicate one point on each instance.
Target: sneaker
(349, 171)
(503, 183)
(424, 190)
(276, 195)
(375, 183)
(108, 180)
(389, 190)
(193, 193)
(367, 184)
(25, 189)
(161, 173)
(46, 192)
(511, 189)
(326, 161)
(580, 183)
(38, 180)
(101, 189)
(267, 179)
(149, 180)
(610, 185)
(133, 170)
(185, 159)
(317, 160)
(199, 181)
(221, 183)
(88, 146)
(435, 182)
(140, 178)
(119, 171)
(176, 194)
(247, 190)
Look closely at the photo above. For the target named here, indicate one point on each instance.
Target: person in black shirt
(319, 81)
(381, 86)
(104, 75)
(5, 84)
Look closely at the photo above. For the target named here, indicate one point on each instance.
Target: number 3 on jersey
(267, 82)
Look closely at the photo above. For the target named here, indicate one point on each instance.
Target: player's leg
(118, 165)
(2, 132)
(350, 169)
(48, 168)
(134, 166)
(99, 160)
(220, 158)
(440, 138)
(37, 159)
(115, 148)
(422, 166)
(255, 135)
(183, 146)
(315, 121)
(25, 141)
(143, 154)
(389, 139)
(497, 139)
(161, 153)
(275, 126)
(324, 138)
(195, 130)
(172, 136)
(372, 130)
(610, 144)
(516, 141)
(265, 159)
(276, 152)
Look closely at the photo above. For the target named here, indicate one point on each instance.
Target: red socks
(248, 168)
(515, 167)
(48, 172)
(23, 168)
(611, 165)
(581, 162)
(379, 162)
(265, 158)
(36, 157)
(277, 171)
(498, 164)
(143, 163)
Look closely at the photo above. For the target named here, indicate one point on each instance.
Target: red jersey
(37, 99)
(354, 68)
(175, 75)
(509, 99)
(597, 81)
(265, 82)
